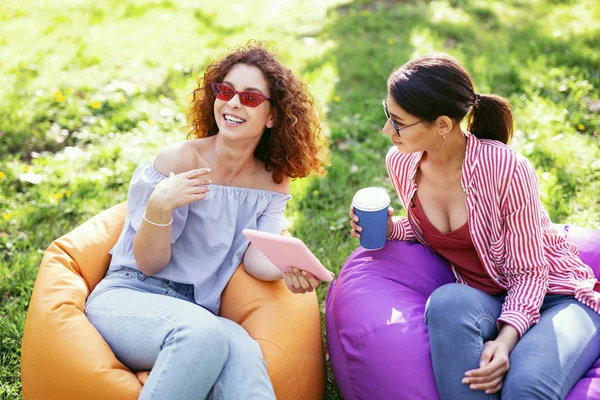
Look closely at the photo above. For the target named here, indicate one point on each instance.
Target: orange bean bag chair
(64, 357)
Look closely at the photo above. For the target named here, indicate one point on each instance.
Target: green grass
(89, 89)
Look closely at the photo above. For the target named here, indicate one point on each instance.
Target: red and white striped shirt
(510, 229)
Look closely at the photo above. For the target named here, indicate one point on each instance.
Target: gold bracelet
(154, 223)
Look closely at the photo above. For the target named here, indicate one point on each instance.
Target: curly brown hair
(295, 146)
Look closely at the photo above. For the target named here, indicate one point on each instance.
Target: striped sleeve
(526, 267)
(402, 230)
(398, 173)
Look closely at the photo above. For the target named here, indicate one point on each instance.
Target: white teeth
(232, 119)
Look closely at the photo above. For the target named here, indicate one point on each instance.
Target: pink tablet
(285, 252)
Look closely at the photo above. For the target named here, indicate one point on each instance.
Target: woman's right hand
(181, 189)
(356, 228)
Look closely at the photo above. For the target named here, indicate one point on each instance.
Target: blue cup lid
(371, 199)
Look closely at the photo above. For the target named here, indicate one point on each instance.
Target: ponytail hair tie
(476, 98)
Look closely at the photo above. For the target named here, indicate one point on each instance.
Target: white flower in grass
(31, 177)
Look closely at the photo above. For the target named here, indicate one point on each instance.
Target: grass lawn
(89, 89)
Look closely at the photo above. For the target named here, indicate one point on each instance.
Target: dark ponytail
(491, 118)
(436, 84)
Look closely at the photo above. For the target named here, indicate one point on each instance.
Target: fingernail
(488, 391)
(209, 181)
(303, 272)
(465, 380)
(360, 229)
(355, 219)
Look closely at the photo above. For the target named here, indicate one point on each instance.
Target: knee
(202, 334)
(528, 385)
(446, 303)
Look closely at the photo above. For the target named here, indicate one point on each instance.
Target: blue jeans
(546, 362)
(153, 324)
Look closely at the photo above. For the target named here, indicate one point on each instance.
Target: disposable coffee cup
(371, 206)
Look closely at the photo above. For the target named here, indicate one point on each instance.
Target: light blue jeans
(153, 324)
(546, 362)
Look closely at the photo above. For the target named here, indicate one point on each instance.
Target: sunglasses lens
(251, 99)
(223, 92)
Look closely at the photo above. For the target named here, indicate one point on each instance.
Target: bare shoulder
(177, 158)
(266, 182)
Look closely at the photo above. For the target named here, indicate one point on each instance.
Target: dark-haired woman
(253, 126)
(522, 320)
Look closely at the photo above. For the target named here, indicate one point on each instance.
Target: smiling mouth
(233, 120)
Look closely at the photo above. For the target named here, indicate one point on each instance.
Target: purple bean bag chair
(376, 334)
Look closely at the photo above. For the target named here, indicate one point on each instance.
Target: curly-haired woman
(253, 127)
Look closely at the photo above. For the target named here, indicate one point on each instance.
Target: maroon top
(457, 247)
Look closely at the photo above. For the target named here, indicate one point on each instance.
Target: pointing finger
(197, 172)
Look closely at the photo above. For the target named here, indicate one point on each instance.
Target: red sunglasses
(226, 93)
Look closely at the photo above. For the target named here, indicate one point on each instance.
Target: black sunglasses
(397, 129)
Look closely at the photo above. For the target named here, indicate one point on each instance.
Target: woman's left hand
(299, 281)
(493, 366)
